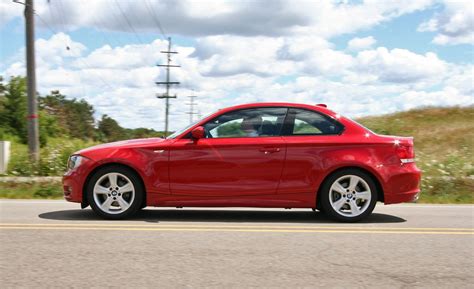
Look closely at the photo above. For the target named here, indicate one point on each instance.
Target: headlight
(74, 161)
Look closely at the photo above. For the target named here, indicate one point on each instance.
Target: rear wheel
(348, 195)
(115, 192)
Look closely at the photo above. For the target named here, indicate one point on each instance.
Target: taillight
(405, 153)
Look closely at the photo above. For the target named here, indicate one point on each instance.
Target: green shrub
(53, 157)
(31, 190)
(48, 192)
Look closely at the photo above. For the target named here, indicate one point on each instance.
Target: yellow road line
(232, 226)
(232, 230)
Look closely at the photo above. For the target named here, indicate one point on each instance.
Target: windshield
(180, 131)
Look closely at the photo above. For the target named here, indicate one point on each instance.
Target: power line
(69, 49)
(53, 17)
(128, 22)
(61, 14)
(46, 23)
(168, 83)
(117, 20)
(98, 23)
(155, 18)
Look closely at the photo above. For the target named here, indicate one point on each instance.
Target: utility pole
(32, 118)
(168, 83)
(191, 104)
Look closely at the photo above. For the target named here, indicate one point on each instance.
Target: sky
(358, 57)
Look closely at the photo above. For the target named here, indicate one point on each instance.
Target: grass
(31, 190)
(444, 145)
(53, 157)
(53, 163)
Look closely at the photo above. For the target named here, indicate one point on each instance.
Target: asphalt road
(55, 244)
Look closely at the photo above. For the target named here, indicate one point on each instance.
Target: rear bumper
(403, 197)
(403, 185)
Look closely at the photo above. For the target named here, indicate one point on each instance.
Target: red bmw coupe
(280, 155)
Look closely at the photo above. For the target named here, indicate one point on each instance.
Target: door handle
(269, 150)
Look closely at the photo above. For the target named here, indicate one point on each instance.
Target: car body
(278, 155)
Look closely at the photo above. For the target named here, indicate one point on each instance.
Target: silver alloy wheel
(114, 193)
(350, 196)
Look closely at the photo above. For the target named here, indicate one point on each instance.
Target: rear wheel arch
(85, 202)
(380, 193)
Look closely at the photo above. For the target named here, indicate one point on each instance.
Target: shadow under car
(226, 216)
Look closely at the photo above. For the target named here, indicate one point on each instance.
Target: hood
(125, 143)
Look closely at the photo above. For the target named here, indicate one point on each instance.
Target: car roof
(280, 104)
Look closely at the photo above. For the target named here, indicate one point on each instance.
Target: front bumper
(74, 180)
(72, 187)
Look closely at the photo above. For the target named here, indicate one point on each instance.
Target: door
(242, 154)
(310, 136)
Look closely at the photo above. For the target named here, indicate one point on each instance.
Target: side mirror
(198, 133)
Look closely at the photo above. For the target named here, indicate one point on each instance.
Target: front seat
(268, 128)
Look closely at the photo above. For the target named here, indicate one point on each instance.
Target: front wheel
(348, 195)
(115, 192)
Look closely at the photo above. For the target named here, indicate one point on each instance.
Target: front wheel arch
(85, 202)
(380, 193)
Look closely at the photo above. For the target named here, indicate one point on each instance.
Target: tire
(348, 195)
(115, 192)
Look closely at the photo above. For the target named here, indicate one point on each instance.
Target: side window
(254, 122)
(306, 122)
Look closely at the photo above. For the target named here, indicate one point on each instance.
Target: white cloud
(15, 68)
(9, 10)
(120, 81)
(357, 43)
(300, 47)
(127, 56)
(196, 18)
(461, 78)
(204, 18)
(245, 52)
(331, 18)
(228, 55)
(57, 48)
(399, 65)
(454, 25)
(327, 62)
(447, 97)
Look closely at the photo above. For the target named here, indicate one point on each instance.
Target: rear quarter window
(307, 122)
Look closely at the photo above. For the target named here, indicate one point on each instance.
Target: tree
(3, 124)
(110, 129)
(75, 118)
(14, 107)
(58, 116)
(143, 133)
(14, 110)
